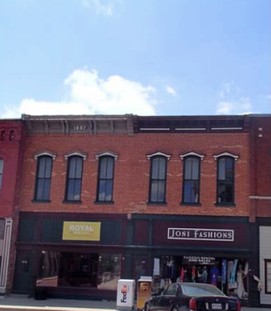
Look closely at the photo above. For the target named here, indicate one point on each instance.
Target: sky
(144, 57)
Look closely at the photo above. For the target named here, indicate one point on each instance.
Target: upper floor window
(191, 180)
(225, 180)
(1, 172)
(43, 178)
(157, 192)
(74, 178)
(105, 179)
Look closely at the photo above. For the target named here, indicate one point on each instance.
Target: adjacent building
(260, 206)
(11, 137)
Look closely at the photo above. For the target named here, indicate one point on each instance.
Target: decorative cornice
(76, 153)
(149, 156)
(226, 154)
(109, 154)
(192, 154)
(45, 153)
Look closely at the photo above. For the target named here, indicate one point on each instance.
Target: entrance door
(23, 278)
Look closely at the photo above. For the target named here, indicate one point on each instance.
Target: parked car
(186, 296)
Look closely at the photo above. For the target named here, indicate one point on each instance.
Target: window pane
(158, 179)
(222, 169)
(79, 166)
(191, 191)
(74, 182)
(43, 182)
(225, 192)
(48, 168)
(155, 168)
(1, 166)
(105, 182)
(1, 172)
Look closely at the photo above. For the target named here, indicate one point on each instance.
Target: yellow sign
(81, 231)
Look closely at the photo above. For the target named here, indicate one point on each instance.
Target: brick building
(11, 136)
(108, 197)
(260, 204)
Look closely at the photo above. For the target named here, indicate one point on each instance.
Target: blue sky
(147, 57)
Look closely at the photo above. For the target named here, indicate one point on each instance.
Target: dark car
(192, 297)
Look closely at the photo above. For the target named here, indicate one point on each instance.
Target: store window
(74, 178)
(1, 172)
(230, 275)
(157, 193)
(43, 178)
(267, 276)
(67, 269)
(105, 179)
(225, 180)
(191, 180)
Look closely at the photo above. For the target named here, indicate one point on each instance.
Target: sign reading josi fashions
(200, 234)
(81, 231)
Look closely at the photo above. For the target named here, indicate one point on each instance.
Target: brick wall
(132, 169)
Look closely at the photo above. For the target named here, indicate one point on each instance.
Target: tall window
(74, 178)
(1, 172)
(225, 180)
(191, 180)
(158, 179)
(105, 179)
(43, 178)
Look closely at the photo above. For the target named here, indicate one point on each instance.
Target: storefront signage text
(200, 260)
(200, 234)
(81, 231)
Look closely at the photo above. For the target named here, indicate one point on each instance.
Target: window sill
(225, 204)
(190, 204)
(71, 202)
(156, 203)
(41, 201)
(104, 202)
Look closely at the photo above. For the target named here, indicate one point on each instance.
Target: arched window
(105, 179)
(74, 178)
(157, 192)
(225, 180)
(43, 178)
(191, 180)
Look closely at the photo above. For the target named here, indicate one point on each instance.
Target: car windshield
(197, 290)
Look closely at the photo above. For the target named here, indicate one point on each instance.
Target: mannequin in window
(240, 275)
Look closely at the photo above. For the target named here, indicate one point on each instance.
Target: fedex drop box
(125, 294)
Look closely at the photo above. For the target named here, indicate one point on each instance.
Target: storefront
(69, 255)
(211, 250)
(85, 255)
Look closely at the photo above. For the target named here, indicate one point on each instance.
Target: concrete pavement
(22, 302)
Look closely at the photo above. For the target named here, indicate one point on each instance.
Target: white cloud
(231, 100)
(171, 90)
(224, 107)
(100, 6)
(87, 93)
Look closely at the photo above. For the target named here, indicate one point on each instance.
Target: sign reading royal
(81, 231)
(200, 234)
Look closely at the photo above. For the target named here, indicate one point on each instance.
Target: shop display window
(66, 269)
(268, 276)
(230, 275)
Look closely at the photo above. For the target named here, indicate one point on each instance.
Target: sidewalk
(22, 302)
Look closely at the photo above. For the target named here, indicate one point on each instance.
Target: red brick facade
(132, 171)
(11, 142)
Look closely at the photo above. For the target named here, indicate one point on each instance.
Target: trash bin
(40, 293)
(125, 294)
(144, 289)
